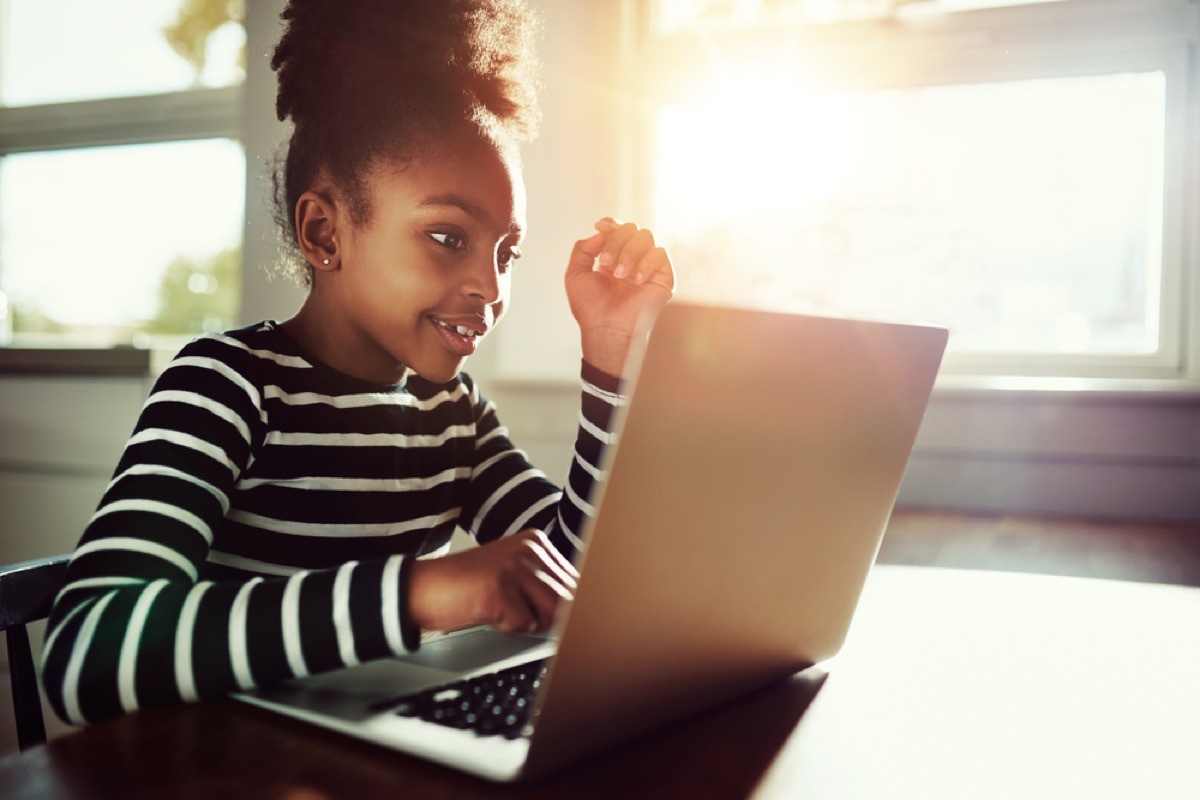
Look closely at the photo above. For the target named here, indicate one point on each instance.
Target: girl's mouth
(460, 339)
(461, 330)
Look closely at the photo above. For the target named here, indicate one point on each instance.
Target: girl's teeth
(461, 330)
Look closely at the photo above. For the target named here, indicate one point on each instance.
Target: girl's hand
(615, 277)
(513, 584)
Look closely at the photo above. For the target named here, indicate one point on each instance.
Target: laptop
(759, 459)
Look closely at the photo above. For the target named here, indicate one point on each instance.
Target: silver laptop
(759, 460)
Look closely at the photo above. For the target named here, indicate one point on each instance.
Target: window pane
(1025, 215)
(673, 15)
(103, 244)
(62, 50)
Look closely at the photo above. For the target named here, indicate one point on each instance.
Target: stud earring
(325, 261)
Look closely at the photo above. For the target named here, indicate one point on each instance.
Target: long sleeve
(509, 495)
(136, 624)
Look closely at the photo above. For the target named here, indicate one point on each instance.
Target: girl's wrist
(607, 350)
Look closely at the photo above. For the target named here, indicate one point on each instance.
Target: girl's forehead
(478, 174)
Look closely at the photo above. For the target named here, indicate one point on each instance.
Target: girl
(266, 517)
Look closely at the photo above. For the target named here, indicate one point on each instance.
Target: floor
(1136, 551)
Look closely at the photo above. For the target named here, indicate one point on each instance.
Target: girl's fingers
(635, 249)
(626, 252)
(541, 594)
(552, 562)
(655, 267)
(584, 254)
(563, 563)
(625, 245)
(614, 245)
(547, 578)
(517, 614)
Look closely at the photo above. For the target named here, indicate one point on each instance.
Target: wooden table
(953, 684)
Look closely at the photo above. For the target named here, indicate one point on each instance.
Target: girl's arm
(134, 626)
(509, 494)
(617, 280)
(530, 529)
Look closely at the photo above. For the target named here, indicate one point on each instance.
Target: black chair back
(27, 591)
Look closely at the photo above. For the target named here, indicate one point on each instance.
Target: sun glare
(1026, 215)
(761, 144)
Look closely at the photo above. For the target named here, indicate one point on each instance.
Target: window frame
(1069, 38)
(143, 119)
(186, 114)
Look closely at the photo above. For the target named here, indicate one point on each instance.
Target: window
(1017, 171)
(122, 178)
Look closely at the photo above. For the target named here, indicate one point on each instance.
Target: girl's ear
(317, 230)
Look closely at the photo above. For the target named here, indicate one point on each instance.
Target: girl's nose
(485, 281)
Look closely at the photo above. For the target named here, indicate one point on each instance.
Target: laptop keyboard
(493, 704)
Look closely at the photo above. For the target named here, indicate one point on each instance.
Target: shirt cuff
(410, 634)
(599, 378)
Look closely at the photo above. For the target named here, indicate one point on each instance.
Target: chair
(26, 593)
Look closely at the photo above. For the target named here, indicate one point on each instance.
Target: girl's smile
(462, 337)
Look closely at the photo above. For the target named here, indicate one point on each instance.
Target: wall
(60, 438)
(1106, 456)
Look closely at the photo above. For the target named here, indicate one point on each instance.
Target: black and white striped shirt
(260, 522)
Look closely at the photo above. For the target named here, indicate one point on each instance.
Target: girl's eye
(508, 256)
(451, 241)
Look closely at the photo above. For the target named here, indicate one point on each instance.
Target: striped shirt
(261, 520)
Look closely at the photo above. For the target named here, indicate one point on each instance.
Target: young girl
(266, 517)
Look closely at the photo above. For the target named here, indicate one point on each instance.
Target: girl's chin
(440, 373)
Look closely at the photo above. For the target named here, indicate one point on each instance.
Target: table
(952, 684)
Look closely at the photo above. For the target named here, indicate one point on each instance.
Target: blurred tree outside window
(122, 180)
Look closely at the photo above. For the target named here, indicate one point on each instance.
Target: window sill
(1180, 389)
(115, 361)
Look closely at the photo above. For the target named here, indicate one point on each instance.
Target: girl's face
(429, 274)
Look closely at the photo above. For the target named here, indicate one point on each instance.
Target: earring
(325, 261)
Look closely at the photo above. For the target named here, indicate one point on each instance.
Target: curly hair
(366, 81)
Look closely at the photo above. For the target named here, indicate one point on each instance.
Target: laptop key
(494, 704)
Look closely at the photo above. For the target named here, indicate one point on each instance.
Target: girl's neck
(325, 340)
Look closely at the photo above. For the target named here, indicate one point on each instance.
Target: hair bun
(340, 59)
